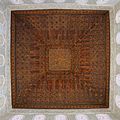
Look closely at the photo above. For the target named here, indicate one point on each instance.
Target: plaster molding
(117, 100)
(81, 1)
(17, 117)
(102, 1)
(81, 117)
(38, 1)
(61, 117)
(59, 1)
(1, 40)
(2, 81)
(103, 117)
(3, 30)
(118, 79)
(39, 117)
(118, 59)
(117, 17)
(2, 101)
(118, 38)
(2, 60)
(17, 1)
(2, 17)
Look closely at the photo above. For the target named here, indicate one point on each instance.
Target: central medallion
(59, 59)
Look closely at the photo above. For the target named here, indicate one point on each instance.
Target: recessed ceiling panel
(60, 59)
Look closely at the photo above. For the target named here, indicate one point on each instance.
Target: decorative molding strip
(2, 60)
(2, 81)
(81, 117)
(17, 117)
(39, 117)
(103, 117)
(118, 38)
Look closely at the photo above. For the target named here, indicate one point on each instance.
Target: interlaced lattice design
(60, 59)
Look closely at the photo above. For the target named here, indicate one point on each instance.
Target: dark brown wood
(60, 59)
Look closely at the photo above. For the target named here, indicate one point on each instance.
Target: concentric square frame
(7, 111)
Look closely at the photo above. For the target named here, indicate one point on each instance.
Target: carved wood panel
(60, 59)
